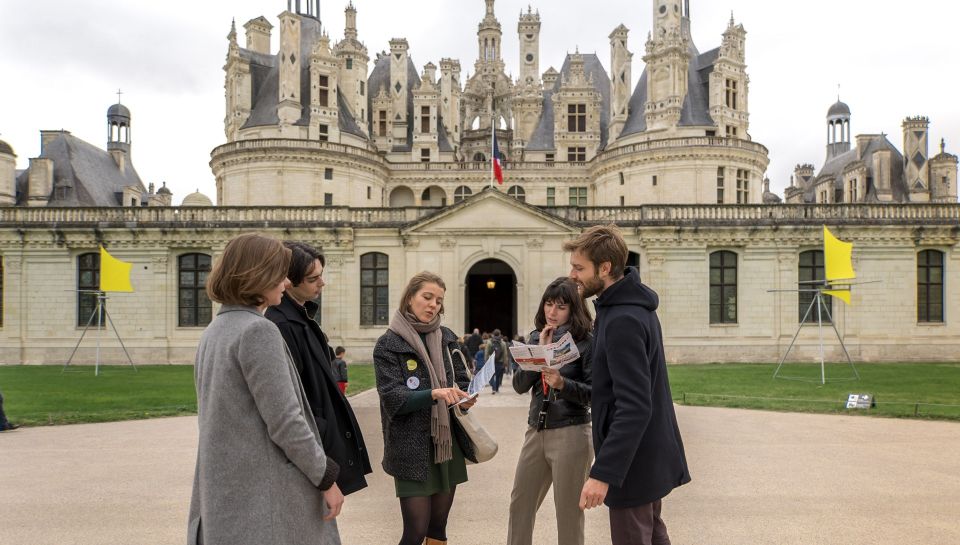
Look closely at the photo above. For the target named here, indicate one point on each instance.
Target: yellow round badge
(411, 365)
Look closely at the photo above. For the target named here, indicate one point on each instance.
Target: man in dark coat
(636, 440)
(473, 342)
(313, 357)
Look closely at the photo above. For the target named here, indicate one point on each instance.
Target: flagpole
(493, 136)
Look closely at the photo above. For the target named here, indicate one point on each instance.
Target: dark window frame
(194, 308)
(930, 294)
(723, 308)
(88, 262)
(811, 266)
(374, 289)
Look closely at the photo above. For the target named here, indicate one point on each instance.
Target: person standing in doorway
(636, 439)
(295, 318)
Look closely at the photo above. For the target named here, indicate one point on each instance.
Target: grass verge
(43, 395)
(914, 390)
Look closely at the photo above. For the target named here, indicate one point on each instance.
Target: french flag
(496, 158)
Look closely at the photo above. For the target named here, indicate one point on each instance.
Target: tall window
(811, 270)
(576, 118)
(374, 288)
(551, 196)
(328, 199)
(349, 63)
(852, 191)
(425, 119)
(382, 123)
(461, 193)
(195, 308)
(425, 155)
(323, 133)
(723, 287)
(88, 280)
(732, 94)
(731, 132)
(743, 186)
(930, 286)
(577, 154)
(720, 185)
(578, 196)
(363, 88)
(518, 193)
(323, 91)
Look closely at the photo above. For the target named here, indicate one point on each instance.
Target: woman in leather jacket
(558, 446)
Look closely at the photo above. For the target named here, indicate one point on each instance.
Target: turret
(621, 62)
(450, 93)
(838, 130)
(289, 108)
(258, 35)
(667, 62)
(399, 49)
(729, 84)
(353, 63)
(118, 135)
(8, 173)
(528, 30)
(943, 176)
(915, 155)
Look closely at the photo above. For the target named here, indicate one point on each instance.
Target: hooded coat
(637, 443)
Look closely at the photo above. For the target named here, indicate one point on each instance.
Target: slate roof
(835, 167)
(696, 105)
(5, 148)
(381, 77)
(265, 85)
(542, 137)
(90, 174)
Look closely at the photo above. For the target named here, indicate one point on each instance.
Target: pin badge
(411, 365)
(413, 383)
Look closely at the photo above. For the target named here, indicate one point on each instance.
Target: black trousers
(639, 525)
(3, 417)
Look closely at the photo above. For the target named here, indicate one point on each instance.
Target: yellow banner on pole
(837, 256)
(114, 274)
(843, 295)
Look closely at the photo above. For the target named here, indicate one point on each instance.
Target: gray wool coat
(260, 460)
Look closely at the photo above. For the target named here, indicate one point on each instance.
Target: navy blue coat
(637, 443)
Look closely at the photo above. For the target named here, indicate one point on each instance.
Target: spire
(232, 36)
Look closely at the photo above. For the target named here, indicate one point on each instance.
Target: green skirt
(441, 477)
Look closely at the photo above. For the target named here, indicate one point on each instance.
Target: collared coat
(637, 443)
(260, 462)
(338, 426)
(406, 437)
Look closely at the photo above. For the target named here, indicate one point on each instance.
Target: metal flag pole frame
(818, 301)
(100, 311)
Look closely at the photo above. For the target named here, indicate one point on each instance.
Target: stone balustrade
(680, 215)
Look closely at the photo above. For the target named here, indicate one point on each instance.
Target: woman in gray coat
(261, 475)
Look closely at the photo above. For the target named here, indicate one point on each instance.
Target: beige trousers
(560, 457)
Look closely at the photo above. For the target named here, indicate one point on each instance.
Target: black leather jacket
(570, 405)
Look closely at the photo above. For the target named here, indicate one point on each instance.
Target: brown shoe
(431, 541)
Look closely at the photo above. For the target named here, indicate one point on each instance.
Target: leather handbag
(484, 445)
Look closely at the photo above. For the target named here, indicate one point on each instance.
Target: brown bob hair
(250, 265)
(414, 285)
(599, 244)
(564, 291)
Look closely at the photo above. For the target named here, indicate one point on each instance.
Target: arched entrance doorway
(491, 297)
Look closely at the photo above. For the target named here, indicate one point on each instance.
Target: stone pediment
(490, 212)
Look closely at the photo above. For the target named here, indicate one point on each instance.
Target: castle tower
(915, 155)
(258, 35)
(577, 112)
(838, 130)
(729, 84)
(399, 50)
(426, 99)
(489, 40)
(667, 62)
(353, 63)
(8, 172)
(237, 82)
(450, 94)
(621, 62)
(289, 109)
(528, 30)
(943, 176)
(118, 130)
(324, 80)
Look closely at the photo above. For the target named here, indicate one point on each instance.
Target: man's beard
(592, 287)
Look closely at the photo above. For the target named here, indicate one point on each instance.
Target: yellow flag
(843, 295)
(114, 274)
(837, 254)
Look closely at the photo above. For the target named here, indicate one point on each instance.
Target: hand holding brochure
(534, 357)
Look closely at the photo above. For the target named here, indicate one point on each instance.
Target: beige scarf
(409, 328)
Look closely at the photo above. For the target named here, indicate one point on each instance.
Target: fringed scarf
(409, 328)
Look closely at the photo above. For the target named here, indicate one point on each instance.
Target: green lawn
(42, 395)
(925, 390)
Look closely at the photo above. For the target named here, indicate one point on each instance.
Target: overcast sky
(63, 62)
